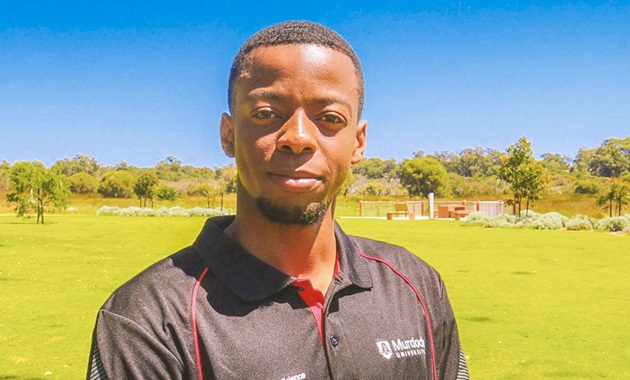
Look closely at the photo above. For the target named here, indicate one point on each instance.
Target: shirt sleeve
(449, 353)
(122, 349)
(462, 370)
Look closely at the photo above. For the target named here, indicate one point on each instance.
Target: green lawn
(530, 304)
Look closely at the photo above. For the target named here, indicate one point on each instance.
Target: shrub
(126, 211)
(556, 215)
(477, 217)
(108, 210)
(498, 222)
(549, 221)
(588, 186)
(166, 193)
(82, 183)
(173, 211)
(164, 211)
(508, 218)
(614, 224)
(528, 214)
(117, 184)
(579, 223)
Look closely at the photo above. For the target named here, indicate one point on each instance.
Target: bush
(477, 217)
(614, 224)
(549, 221)
(126, 211)
(166, 193)
(117, 184)
(579, 223)
(588, 186)
(82, 183)
(173, 211)
(528, 214)
(498, 222)
(164, 211)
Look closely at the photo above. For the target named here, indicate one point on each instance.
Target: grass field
(530, 304)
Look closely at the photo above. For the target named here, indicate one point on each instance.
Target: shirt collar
(252, 279)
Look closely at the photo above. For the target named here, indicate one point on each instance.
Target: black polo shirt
(214, 311)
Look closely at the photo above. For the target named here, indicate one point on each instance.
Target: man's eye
(333, 119)
(265, 115)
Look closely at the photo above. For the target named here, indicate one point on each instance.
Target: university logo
(402, 348)
(385, 349)
(300, 376)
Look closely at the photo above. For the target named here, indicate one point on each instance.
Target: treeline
(603, 171)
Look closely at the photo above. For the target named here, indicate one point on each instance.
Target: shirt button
(334, 340)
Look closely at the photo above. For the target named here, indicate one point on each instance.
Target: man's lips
(296, 181)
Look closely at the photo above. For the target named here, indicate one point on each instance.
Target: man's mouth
(296, 182)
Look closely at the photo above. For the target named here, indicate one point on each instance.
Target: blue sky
(141, 80)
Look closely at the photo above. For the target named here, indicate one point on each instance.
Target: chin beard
(301, 216)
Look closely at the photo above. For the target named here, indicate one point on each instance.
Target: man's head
(294, 126)
(294, 33)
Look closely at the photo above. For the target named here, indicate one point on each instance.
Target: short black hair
(294, 33)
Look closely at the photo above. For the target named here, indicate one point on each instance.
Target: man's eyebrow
(333, 100)
(259, 94)
(263, 94)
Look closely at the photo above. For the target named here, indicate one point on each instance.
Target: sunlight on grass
(530, 304)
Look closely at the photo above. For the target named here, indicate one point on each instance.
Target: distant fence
(421, 208)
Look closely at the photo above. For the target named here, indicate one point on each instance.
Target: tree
(555, 162)
(79, 164)
(169, 169)
(144, 186)
(82, 183)
(581, 163)
(117, 184)
(208, 190)
(376, 168)
(471, 162)
(35, 187)
(522, 173)
(616, 197)
(227, 177)
(166, 193)
(5, 169)
(422, 176)
(611, 159)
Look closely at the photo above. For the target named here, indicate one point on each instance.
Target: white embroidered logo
(300, 376)
(384, 349)
(401, 348)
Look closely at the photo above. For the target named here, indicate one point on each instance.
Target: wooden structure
(401, 209)
(460, 213)
(448, 211)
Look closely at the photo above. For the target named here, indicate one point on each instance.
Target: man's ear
(359, 142)
(227, 135)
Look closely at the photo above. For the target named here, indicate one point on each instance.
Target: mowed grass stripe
(530, 304)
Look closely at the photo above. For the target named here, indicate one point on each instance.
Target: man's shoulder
(158, 285)
(396, 257)
(387, 251)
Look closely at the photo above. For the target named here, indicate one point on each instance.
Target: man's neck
(299, 251)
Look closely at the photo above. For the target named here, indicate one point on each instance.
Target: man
(279, 291)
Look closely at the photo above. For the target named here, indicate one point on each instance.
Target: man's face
(294, 129)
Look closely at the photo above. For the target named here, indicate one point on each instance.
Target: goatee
(301, 216)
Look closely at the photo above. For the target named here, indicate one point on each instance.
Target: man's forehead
(312, 54)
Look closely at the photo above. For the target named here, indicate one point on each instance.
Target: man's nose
(298, 134)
